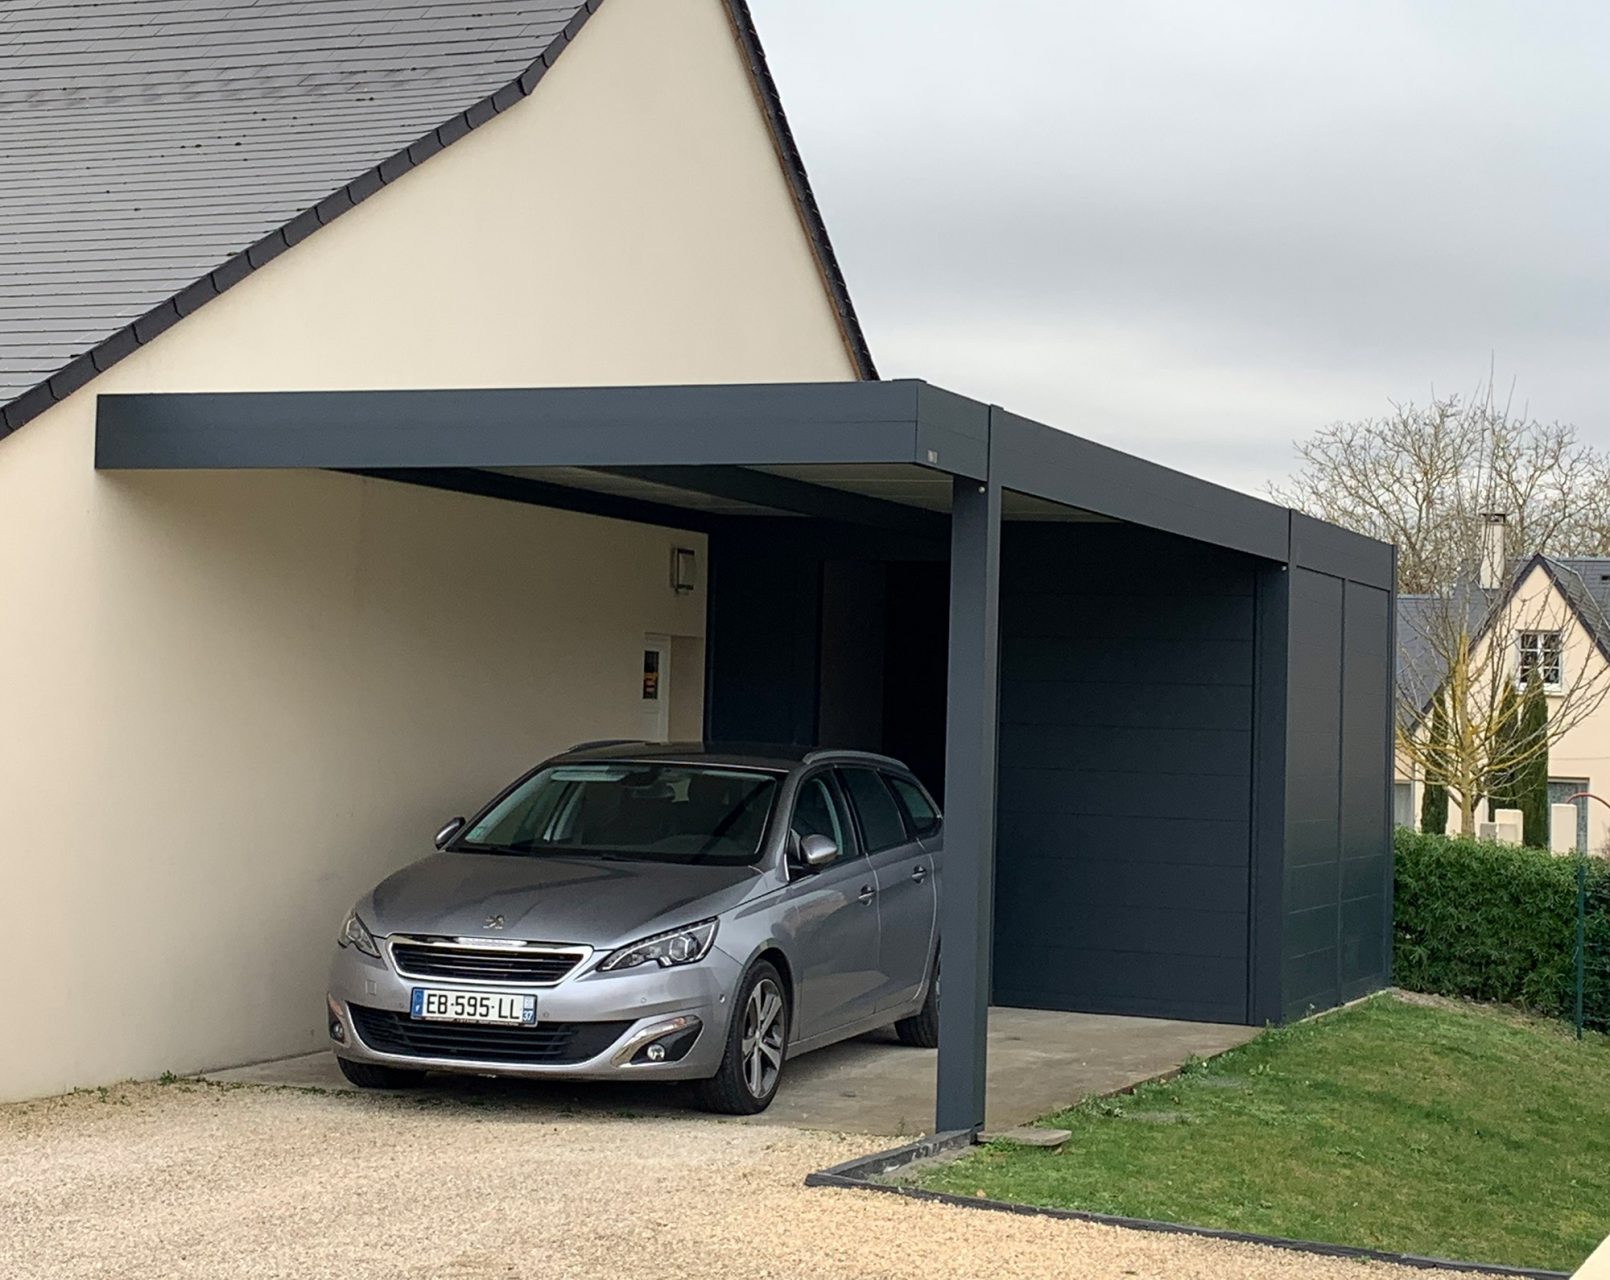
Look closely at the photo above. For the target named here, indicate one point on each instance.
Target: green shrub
(1495, 922)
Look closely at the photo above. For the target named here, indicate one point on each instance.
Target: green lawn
(1464, 1131)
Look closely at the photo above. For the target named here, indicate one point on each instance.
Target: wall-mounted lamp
(684, 566)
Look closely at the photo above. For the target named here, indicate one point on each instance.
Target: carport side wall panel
(1309, 948)
(1270, 747)
(1127, 718)
(1364, 882)
(1337, 892)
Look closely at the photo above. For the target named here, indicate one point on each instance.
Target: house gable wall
(1583, 751)
(234, 700)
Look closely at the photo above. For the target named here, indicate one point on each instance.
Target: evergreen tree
(1434, 803)
(1503, 782)
(1531, 780)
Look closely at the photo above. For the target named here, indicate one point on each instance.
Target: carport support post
(967, 889)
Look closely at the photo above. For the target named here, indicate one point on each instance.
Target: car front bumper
(644, 1004)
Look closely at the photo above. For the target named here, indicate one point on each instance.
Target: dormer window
(1540, 652)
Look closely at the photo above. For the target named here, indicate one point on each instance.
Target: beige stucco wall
(1583, 750)
(233, 701)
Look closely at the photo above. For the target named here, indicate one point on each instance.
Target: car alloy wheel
(762, 1043)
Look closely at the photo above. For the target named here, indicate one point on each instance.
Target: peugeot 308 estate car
(628, 911)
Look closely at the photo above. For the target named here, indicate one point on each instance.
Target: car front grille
(537, 964)
(387, 1031)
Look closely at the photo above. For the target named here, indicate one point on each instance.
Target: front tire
(757, 1042)
(921, 1030)
(374, 1075)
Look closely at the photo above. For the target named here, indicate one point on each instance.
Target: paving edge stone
(865, 1172)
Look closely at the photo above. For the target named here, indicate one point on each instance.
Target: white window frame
(1544, 649)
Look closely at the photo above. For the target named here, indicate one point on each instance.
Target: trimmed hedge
(1496, 922)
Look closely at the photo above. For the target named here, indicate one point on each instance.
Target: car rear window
(920, 812)
(881, 823)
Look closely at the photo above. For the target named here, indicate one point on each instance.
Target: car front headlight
(355, 934)
(678, 946)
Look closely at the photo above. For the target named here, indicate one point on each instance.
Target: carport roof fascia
(902, 422)
(761, 424)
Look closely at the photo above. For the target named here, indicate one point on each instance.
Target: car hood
(552, 899)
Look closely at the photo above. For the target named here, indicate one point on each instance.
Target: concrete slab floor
(1039, 1062)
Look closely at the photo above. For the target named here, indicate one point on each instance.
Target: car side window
(816, 813)
(921, 817)
(882, 827)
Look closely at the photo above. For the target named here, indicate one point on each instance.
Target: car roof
(776, 757)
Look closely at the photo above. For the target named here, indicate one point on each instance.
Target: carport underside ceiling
(1159, 710)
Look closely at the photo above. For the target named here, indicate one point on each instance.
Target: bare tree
(1470, 649)
(1423, 475)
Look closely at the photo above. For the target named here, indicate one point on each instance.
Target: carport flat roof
(859, 452)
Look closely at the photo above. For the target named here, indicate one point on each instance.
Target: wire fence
(1591, 981)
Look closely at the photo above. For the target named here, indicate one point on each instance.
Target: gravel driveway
(199, 1180)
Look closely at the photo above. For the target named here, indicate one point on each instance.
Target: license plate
(506, 1008)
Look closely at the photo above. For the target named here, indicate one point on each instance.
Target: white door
(656, 714)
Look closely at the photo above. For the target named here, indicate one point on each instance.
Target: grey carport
(1171, 699)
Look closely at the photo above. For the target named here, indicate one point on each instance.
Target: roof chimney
(1493, 554)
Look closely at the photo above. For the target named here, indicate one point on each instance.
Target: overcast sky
(1198, 231)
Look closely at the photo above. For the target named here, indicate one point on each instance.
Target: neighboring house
(394, 394)
(1553, 613)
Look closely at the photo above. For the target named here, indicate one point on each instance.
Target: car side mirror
(818, 851)
(453, 827)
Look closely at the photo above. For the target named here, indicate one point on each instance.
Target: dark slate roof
(154, 152)
(1586, 582)
(1420, 670)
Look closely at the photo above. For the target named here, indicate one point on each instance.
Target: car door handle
(919, 873)
(867, 894)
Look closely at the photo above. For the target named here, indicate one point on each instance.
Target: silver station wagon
(649, 912)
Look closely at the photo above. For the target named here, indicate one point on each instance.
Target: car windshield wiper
(513, 850)
(552, 850)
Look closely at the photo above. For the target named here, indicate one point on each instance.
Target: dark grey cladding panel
(1312, 973)
(1087, 658)
(764, 635)
(1036, 459)
(1055, 793)
(1094, 704)
(1310, 885)
(1149, 840)
(1337, 884)
(1131, 749)
(1131, 882)
(1128, 616)
(1363, 958)
(1148, 984)
(1369, 876)
(1142, 928)
(1340, 552)
(1364, 885)
(1125, 778)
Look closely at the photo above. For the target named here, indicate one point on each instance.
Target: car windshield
(654, 812)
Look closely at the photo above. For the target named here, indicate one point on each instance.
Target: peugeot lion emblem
(493, 922)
